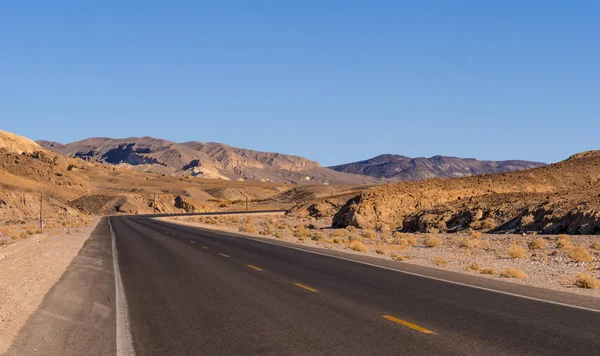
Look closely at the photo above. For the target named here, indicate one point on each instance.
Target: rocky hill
(401, 168)
(558, 198)
(204, 160)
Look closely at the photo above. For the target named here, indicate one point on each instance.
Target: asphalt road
(196, 292)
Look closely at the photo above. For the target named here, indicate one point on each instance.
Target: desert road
(188, 291)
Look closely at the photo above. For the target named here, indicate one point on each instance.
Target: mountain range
(402, 168)
(221, 161)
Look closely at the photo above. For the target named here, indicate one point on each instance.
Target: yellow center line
(254, 267)
(204, 247)
(410, 325)
(305, 287)
(224, 255)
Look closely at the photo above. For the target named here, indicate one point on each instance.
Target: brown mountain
(205, 160)
(401, 168)
(558, 198)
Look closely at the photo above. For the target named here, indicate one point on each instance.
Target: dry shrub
(368, 234)
(357, 246)
(515, 251)
(563, 241)
(580, 254)
(400, 258)
(488, 270)
(380, 251)
(432, 241)
(351, 228)
(315, 236)
(536, 244)
(301, 231)
(586, 281)
(595, 245)
(469, 243)
(527, 219)
(337, 240)
(278, 235)
(440, 262)
(513, 273)
(339, 233)
(473, 267)
(247, 225)
(407, 240)
(476, 234)
(488, 223)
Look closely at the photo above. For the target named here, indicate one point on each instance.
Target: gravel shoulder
(548, 267)
(28, 269)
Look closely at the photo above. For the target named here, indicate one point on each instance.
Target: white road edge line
(421, 275)
(124, 339)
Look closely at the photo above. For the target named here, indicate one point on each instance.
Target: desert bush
(301, 239)
(580, 254)
(315, 236)
(301, 231)
(469, 243)
(247, 225)
(527, 219)
(357, 246)
(380, 251)
(440, 262)
(586, 281)
(350, 228)
(536, 244)
(432, 241)
(269, 229)
(595, 245)
(513, 273)
(337, 240)
(563, 241)
(400, 258)
(515, 251)
(278, 235)
(488, 223)
(488, 270)
(339, 233)
(473, 267)
(407, 240)
(476, 234)
(368, 234)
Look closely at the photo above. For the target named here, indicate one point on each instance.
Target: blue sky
(335, 81)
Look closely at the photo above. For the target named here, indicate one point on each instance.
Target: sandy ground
(547, 267)
(28, 269)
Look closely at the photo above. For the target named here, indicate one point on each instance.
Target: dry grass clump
(488, 270)
(380, 251)
(351, 228)
(473, 267)
(513, 273)
(580, 254)
(301, 231)
(337, 240)
(247, 225)
(269, 229)
(432, 241)
(469, 243)
(536, 244)
(278, 235)
(595, 245)
(368, 234)
(357, 246)
(440, 262)
(586, 281)
(400, 258)
(515, 251)
(315, 236)
(527, 220)
(563, 241)
(476, 234)
(339, 233)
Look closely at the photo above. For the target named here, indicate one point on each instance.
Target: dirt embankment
(28, 270)
(560, 198)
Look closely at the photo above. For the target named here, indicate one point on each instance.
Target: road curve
(196, 292)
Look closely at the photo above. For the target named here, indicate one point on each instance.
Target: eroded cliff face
(562, 197)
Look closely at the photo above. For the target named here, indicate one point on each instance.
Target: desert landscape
(532, 223)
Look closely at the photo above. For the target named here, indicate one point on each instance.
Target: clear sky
(335, 81)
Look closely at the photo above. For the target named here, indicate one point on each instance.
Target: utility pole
(41, 213)
(246, 203)
(154, 204)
